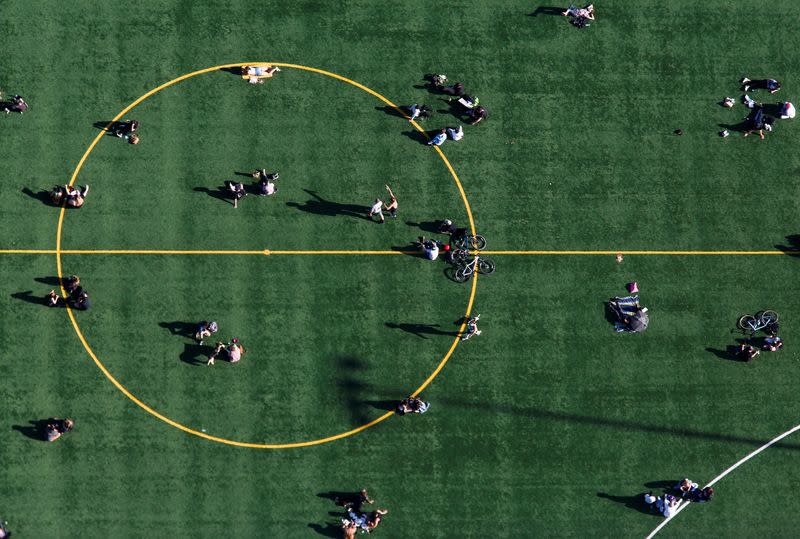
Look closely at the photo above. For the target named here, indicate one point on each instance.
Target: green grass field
(547, 425)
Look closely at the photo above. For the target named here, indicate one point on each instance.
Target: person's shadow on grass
(195, 354)
(631, 502)
(321, 206)
(34, 430)
(327, 530)
(220, 193)
(420, 330)
(184, 329)
(41, 196)
(392, 111)
(426, 226)
(36, 300)
(793, 249)
(546, 10)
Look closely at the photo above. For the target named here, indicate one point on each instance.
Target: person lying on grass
(257, 74)
(585, 12)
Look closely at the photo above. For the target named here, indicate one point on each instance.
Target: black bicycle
(467, 242)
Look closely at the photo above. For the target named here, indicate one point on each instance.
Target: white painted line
(723, 474)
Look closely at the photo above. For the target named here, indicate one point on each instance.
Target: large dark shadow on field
(421, 330)
(617, 424)
(42, 196)
(321, 206)
(632, 502)
(793, 247)
(351, 372)
(385, 405)
(34, 430)
(220, 193)
(49, 281)
(546, 10)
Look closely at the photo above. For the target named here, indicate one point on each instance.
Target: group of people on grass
(686, 490)
(758, 121)
(467, 105)
(231, 351)
(77, 298)
(380, 206)
(356, 517)
(264, 186)
(73, 197)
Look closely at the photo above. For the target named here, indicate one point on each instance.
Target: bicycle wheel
(746, 323)
(459, 257)
(478, 242)
(485, 266)
(461, 275)
(768, 317)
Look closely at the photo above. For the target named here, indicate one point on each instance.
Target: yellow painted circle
(180, 426)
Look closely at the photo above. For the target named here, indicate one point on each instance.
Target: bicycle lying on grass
(469, 243)
(762, 320)
(465, 267)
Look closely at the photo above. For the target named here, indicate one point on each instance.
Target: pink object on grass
(633, 287)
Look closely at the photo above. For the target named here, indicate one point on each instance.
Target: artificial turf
(548, 424)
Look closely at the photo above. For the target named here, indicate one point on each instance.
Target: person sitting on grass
(412, 405)
(235, 350)
(17, 104)
(374, 518)
(429, 247)
(205, 330)
(456, 133)
(126, 130)
(349, 529)
(478, 114)
(422, 112)
(747, 352)
(704, 495)
(236, 192)
(266, 186)
(71, 283)
(80, 300)
(56, 427)
(438, 139)
(758, 122)
(472, 328)
(257, 73)
(667, 505)
(52, 299)
(75, 197)
(772, 343)
(685, 488)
